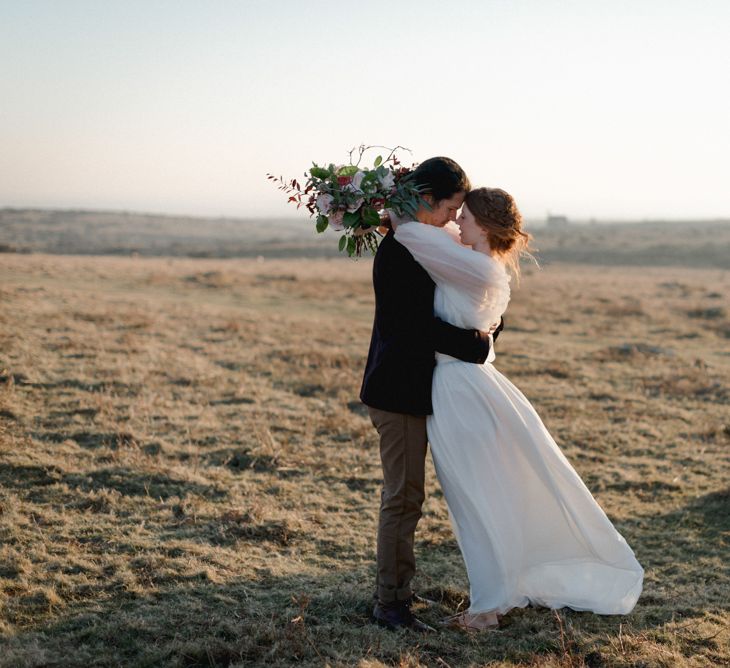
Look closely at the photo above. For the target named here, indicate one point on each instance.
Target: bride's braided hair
(496, 212)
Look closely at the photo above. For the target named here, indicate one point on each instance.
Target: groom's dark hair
(441, 177)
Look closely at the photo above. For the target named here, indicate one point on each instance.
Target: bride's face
(470, 231)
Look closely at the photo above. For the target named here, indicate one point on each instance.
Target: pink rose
(335, 220)
(357, 180)
(324, 203)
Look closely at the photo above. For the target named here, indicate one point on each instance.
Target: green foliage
(348, 170)
(370, 217)
(319, 172)
(369, 184)
(357, 193)
(351, 219)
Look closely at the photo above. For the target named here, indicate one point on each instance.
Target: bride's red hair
(496, 212)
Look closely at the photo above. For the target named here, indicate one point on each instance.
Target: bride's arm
(446, 261)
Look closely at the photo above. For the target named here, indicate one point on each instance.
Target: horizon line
(545, 218)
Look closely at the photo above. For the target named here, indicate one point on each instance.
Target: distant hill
(122, 233)
(656, 243)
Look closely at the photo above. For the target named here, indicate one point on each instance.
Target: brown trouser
(403, 443)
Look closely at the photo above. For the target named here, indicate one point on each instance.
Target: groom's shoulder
(391, 250)
(395, 264)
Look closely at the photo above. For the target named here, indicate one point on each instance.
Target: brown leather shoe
(414, 599)
(398, 615)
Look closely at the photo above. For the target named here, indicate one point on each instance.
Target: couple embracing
(528, 529)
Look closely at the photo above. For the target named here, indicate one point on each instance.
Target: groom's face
(444, 210)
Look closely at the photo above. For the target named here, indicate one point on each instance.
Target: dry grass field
(188, 479)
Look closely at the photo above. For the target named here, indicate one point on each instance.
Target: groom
(396, 386)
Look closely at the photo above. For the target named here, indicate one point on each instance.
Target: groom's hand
(468, 345)
(496, 329)
(486, 338)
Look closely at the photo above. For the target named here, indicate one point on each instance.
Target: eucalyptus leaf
(319, 172)
(378, 160)
(343, 242)
(321, 223)
(370, 216)
(350, 219)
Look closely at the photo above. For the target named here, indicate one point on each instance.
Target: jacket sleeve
(467, 345)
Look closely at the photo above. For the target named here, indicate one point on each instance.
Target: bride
(528, 528)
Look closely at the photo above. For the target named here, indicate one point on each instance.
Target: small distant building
(557, 221)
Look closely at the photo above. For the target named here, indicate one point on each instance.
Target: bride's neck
(483, 247)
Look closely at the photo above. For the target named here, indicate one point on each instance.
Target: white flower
(369, 187)
(357, 179)
(387, 181)
(324, 203)
(335, 221)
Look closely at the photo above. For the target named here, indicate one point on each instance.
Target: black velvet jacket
(406, 335)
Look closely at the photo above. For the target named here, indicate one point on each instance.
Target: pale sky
(588, 108)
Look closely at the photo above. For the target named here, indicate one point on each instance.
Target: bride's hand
(395, 219)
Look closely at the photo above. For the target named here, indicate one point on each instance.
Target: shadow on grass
(353, 483)
(311, 619)
(28, 478)
(132, 483)
(268, 620)
(682, 552)
(240, 459)
(232, 531)
(87, 439)
(119, 389)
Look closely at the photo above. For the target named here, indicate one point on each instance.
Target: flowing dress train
(528, 528)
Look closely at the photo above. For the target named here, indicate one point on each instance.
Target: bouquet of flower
(351, 198)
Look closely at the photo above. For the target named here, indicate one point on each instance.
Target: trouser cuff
(391, 595)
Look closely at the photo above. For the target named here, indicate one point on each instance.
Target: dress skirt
(528, 528)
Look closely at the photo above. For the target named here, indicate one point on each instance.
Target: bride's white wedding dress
(528, 528)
